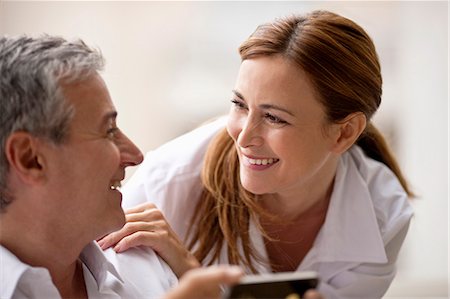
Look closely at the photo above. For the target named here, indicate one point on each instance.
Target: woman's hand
(205, 283)
(146, 226)
(312, 294)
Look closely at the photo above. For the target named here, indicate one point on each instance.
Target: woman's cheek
(236, 121)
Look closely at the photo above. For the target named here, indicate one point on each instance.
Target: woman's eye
(274, 119)
(238, 104)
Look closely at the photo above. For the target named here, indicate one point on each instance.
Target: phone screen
(279, 285)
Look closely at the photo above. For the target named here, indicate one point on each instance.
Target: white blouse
(356, 249)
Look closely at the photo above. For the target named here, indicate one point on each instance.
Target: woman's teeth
(262, 161)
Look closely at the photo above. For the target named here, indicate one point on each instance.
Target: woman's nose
(250, 133)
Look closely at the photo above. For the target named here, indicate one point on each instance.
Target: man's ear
(24, 157)
(348, 131)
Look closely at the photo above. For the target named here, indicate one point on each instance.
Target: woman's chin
(257, 189)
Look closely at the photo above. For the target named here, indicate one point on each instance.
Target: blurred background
(172, 65)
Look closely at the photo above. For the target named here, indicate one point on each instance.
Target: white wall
(171, 65)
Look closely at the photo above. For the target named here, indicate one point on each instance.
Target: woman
(295, 178)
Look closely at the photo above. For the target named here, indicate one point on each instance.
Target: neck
(71, 284)
(42, 245)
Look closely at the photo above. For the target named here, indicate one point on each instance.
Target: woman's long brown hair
(340, 59)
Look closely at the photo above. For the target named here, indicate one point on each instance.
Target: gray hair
(31, 100)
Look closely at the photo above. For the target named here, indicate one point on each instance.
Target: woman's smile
(258, 163)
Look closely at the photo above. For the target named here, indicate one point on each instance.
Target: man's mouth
(116, 185)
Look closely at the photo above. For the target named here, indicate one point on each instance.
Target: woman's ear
(24, 157)
(348, 131)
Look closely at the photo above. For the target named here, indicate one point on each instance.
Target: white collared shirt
(356, 249)
(142, 275)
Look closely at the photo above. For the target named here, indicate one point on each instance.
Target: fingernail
(235, 270)
(117, 248)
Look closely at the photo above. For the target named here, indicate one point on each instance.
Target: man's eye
(112, 132)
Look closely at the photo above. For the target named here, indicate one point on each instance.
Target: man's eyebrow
(110, 115)
(265, 106)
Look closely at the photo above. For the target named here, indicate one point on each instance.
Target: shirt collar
(10, 272)
(97, 263)
(350, 232)
(12, 269)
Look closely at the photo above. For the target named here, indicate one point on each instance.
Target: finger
(109, 240)
(146, 215)
(209, 281)
(312, 294)
(159, 226)
(202, 283)
(229, 275)
(141, 238)
(101, 239)
(221, 274)
(150, 220)
(141, 208)
(128, 229)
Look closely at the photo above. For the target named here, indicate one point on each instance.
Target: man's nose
(130, 155)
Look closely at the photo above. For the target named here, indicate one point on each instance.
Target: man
(62, 160)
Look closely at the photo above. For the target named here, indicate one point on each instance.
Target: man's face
(86, 169)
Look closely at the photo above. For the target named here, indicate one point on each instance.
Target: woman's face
(279, 127)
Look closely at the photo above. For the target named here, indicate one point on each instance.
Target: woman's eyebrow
(271, 106)
(265, 106)
(238, 94)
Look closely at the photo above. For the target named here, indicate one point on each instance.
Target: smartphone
(288, 285)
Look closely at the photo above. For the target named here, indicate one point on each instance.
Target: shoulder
(143, 268)
(390, 201)
(186, 151)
